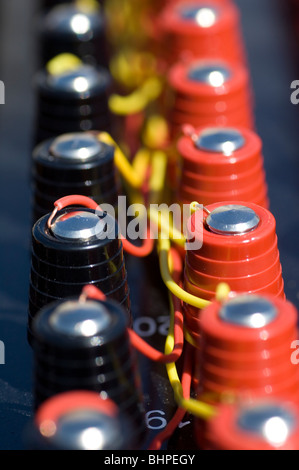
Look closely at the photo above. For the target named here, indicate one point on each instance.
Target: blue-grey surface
(270, 46)
(15, 135)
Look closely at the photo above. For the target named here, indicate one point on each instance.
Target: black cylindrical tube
(81, 247)
(71, 28)
(48, 4)
(75, 100)
(76, 163)
(45, 4)
(84, 344)
(81, 420)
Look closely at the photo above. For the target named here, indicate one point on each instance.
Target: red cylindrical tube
(253, 265)
(244, 256)
(231, 246)
(243, 283)
(253, 330)
(260, 425)
(245, 352)
(208, 93)
(254, 193)
(201, 29)
(234, 180)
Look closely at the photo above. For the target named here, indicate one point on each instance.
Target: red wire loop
(139, 251)
(93, 292)
(187, 373)
(157, 356)
(177, 418)
(76, 200)
(70, 401)
(137, 342)
(178, 332)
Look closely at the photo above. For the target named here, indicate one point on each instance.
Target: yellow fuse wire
(141, 162)
(131, 68)
(122, 163)
(164, 247)
(87, 6)
(138, 100)
(156, 132)
(158, 175)
(168, 231)
(140, 165)
(222, 292)
(195, 407)
(63, 63)
(189, 338)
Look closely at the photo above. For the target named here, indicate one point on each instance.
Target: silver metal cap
(214, 75)
(78, 225)
(220, 140)
(250, 311)
(71, 19)
(79, 319)
(86, 430)
(76, 146)
(204, 16)
(232, 219)
(79, 80)
(272, 422)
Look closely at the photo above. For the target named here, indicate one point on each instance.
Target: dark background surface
(272, 57)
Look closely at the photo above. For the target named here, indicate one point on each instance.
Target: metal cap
(79, 319)
(232, 219)
(214, 75)
(250, 311)
(69, 19)
(204, 16)
(272, 422)
(81, 80)
(86, 429)
(79, 146)
(78, 225)
(220, 140)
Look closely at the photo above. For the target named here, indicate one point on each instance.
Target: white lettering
(2, 353)
(2, 92)
(137, 228)
(295, 354)
(113, 460)
(162, 221)
(294, 95)
(159, 422)
(173, 459)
